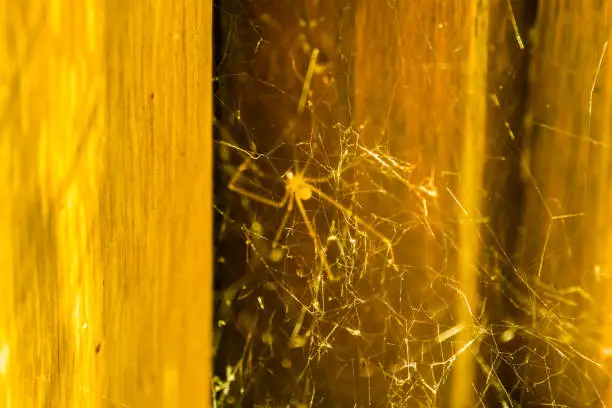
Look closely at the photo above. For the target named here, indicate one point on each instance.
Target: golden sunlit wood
(105, 121)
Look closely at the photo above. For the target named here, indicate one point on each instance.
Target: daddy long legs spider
(298, 189)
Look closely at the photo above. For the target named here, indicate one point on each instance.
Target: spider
(298, 189)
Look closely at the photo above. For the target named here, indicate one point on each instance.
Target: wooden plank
(106, 258)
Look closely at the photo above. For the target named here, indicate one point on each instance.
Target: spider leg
(319, 179)
(283, 220)
(237, 189)
(331, 175)
(359, 221)
(315, 239)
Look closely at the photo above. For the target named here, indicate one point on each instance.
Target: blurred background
(412, 204)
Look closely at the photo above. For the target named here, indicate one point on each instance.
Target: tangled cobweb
(336, 278)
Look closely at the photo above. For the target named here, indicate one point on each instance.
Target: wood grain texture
(105, 224)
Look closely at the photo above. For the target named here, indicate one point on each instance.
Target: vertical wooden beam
(52, 122)
(105, 252)
(471, 173)
(156, 200)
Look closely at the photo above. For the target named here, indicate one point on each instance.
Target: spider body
(298, 186)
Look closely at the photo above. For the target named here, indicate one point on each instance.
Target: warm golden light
(449, 167)
(105, 167)
(411, 203)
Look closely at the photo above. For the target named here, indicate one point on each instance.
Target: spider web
(287, 336)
